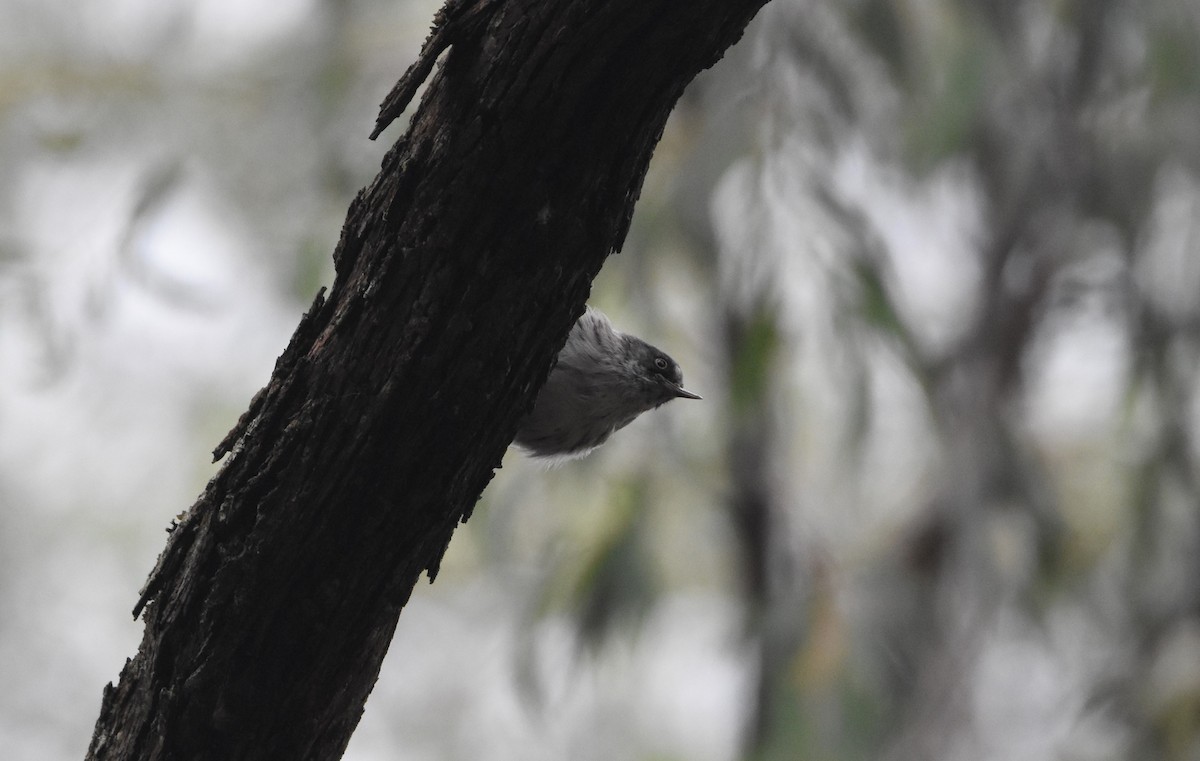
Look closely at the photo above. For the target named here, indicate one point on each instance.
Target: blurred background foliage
(932, 263)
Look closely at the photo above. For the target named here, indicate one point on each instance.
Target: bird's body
(602, 381)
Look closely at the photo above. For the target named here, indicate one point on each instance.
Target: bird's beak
(683, 393)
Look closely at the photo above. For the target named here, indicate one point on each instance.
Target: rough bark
(459, 272)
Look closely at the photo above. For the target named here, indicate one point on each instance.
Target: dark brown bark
(459, 272)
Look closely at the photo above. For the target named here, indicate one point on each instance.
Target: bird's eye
(660, 363)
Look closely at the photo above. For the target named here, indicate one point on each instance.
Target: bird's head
(658, 376)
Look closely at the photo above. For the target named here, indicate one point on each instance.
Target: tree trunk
(460, 269)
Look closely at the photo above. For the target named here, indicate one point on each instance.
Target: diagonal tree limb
(460, 269)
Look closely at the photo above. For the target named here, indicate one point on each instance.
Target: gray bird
(602, 381)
